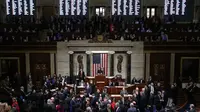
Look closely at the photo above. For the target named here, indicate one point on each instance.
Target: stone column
(62, 59)
(71, 64)
(172, 66)
(142, 8)
(27, 59)
(3, 11)
(111, 64)
(128, 77)
(90, 11)
(137, 61)
(161, 12)
(199, 72)
(0, 69)
(91, 64)
(39, 11)
(195, 11)
(147, 66)
(52, 63)
(88, 63)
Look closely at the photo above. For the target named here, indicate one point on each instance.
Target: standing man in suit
(132, 108)
(81, 76)
(118, 109)
(123, 93)
(142, 101)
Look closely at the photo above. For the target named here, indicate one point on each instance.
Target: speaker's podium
(100, 81)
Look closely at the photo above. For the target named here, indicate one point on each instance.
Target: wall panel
(39, 65)
(160, 67)
(48, 11)
(22, 66)
(158, 3)
(76, 63)
(100, 2)
(178, 57)
(21, 57)
(47, 3)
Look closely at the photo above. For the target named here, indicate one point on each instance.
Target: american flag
(100, 61)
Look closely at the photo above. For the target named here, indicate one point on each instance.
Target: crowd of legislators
(55, 96)
(18, 29)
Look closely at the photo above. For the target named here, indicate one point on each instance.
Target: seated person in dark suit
(100, 71)
(110, 83)
(123, 92)
(118, 80)
(141, 81)
(134, 80)
(116, 83)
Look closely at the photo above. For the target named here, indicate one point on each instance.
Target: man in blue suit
(72, 104)
(132, 108)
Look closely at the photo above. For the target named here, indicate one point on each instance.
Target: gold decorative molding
(100, 39)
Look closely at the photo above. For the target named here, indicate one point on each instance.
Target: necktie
(117, 109)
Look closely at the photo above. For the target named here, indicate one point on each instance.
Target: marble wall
(137, 61)
(135, 49)
(62, 59)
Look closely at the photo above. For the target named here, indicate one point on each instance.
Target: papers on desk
(127, 86)
(100, 82)
(70, 85)
(53, 90)
(80, 86)
(89, 77)
(118, 95)
(110, 77)
(113, 95)
(115, 86)
(120, 86)
(81, 95)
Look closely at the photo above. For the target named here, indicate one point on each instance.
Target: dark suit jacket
(123, 92)
(193, 110)
(100, 71)
(142, 101)
(78, 110)
(81, 76)
(132, 109)
(118, 109)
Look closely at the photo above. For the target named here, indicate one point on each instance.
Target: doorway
(9, 66)
(150, 12)
(100, 11)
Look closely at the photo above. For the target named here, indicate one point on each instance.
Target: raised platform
(111, 89)
(116, 96)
